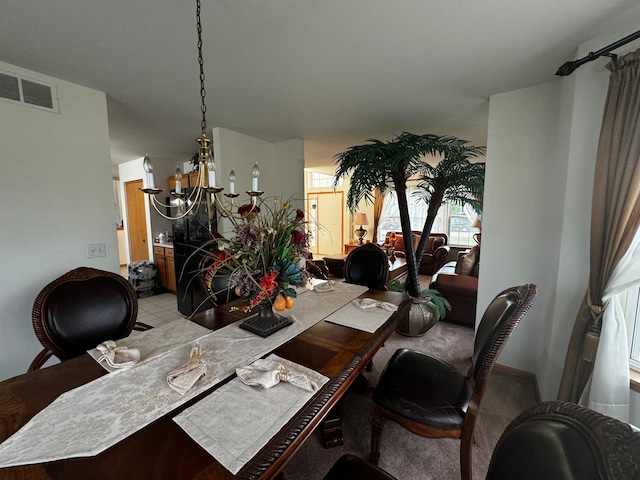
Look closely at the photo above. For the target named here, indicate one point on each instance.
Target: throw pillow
(466, 262)
(429, 247)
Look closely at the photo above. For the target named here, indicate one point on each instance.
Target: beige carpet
(403, 454)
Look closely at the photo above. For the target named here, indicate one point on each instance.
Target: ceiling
(332, 72)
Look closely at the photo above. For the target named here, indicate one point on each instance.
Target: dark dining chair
(430, 397)
(367, 265)
(551, 440)
(317, 268)
(565, 441)
(81, 309)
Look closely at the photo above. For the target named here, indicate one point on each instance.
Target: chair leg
(466, 453)
(377, 424)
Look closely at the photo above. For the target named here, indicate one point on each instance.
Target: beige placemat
(237, 420)
(367, 320)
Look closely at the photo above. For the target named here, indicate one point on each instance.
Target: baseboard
(514, 372)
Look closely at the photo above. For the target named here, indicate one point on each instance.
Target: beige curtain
(615, 215)
(378, 203)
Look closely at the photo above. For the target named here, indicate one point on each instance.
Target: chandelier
(205, 191)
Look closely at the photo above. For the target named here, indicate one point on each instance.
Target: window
(322, 180)
(454, 220)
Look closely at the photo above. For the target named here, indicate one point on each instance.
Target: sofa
(435, 252)
(457, 281)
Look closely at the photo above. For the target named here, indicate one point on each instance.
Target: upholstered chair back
(498, 322)
(564, 441)
(367, 265)
(81, 309)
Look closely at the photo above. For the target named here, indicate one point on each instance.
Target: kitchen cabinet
(188, 180)
(165, 263)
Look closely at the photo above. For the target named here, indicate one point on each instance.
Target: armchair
(435, 252)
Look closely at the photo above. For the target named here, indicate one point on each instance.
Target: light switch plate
(95, 250)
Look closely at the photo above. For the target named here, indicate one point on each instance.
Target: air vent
(9, 87)
(28, 92)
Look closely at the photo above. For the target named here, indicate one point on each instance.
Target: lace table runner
(367, 320)
(236, 421)
(89, 419)
(158, 340)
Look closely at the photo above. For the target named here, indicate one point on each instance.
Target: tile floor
(158, 309)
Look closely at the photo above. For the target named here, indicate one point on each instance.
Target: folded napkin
(113, 357)
(325, 286)
(183, 378)
(365, 303)
(268, 373)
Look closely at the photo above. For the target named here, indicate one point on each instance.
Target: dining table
(162, 449)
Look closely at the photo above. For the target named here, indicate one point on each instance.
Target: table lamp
(477, 224)
(361, 219)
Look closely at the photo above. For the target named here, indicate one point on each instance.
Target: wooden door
(328, 212)
(136, 221)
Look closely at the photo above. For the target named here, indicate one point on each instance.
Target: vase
(266, 321)
(418, 320)
(218, 292)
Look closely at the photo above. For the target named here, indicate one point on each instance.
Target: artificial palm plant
(385, 165)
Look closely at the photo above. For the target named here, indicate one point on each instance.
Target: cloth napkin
(183, 378)
(325, 286)
(113, 357)
(365, 303)
(268, 373)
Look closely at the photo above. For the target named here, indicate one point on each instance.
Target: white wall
(57, 196)
(281, 166)
(541, 150)
(522, 215)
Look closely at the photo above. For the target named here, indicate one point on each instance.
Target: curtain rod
(569, 67)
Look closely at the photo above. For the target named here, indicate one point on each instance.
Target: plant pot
(418, 320)
(266, 321)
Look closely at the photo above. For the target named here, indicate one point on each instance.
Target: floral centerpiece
(263, 258)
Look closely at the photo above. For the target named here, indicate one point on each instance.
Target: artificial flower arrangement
(263, 259)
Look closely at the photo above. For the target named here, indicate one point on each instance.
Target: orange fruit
(279, 303)
(290, 302)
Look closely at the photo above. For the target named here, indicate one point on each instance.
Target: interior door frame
(136, 224)
(317, 196)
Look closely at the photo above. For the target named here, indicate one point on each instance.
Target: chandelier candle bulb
(178, 181)
(211, 166)
(148, 168)
(256, 174)
(232, 182)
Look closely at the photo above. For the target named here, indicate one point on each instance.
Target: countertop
(165, 245)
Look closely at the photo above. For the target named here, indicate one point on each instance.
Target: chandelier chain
(203, 92)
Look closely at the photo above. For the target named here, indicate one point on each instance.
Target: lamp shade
(361, 219)
(476, 223)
